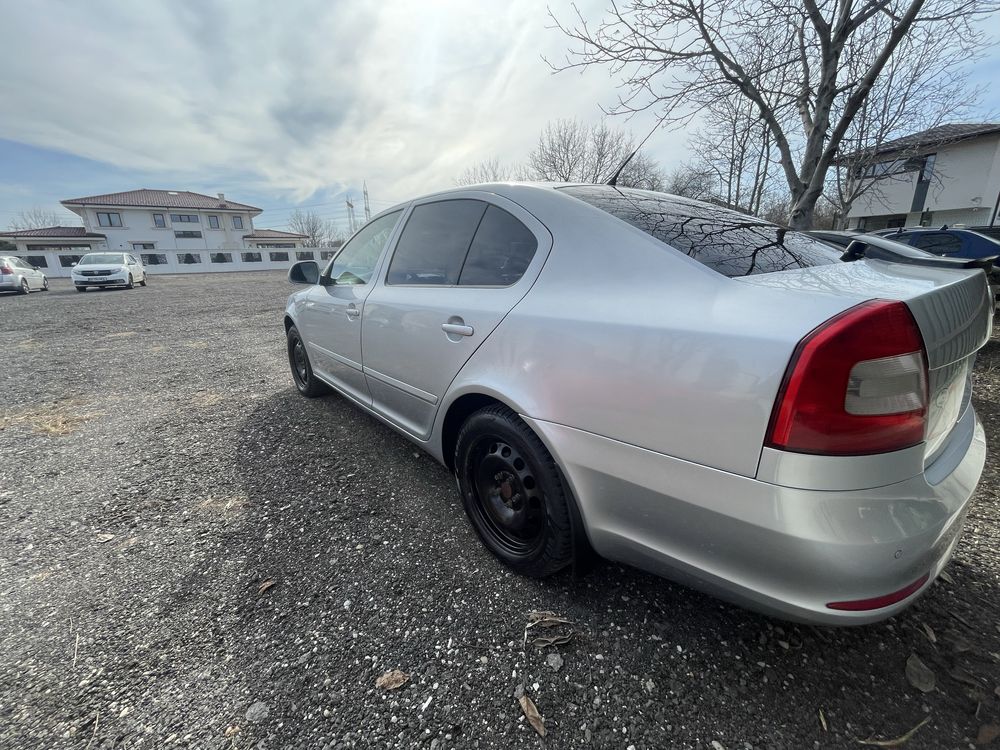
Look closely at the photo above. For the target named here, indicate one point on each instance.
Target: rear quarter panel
(626, 338)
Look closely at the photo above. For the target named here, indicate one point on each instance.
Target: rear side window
(500, 252)
(726, 241)
(938, 243)
(434, 242)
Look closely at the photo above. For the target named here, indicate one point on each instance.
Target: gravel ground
(192, 555)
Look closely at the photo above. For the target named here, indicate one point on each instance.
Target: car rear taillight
(856, 385)
(6, 269)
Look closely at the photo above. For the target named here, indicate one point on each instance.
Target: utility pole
(368, 210)
(350, 213)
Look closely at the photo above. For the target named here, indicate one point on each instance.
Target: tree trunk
(801, 215)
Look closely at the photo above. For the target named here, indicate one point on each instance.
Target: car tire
(45, 283)
(25, 288)
(143, 282)
(81, 288)
(298, 359)
(130, 284)
(513, 493)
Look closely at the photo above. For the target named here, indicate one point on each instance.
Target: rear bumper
(10, 285)
(784, 551)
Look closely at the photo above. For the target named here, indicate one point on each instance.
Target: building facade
(946, 175)
(172, 231)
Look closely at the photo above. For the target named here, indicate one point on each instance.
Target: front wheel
(298, 359)
(81, 288)
(513, 493)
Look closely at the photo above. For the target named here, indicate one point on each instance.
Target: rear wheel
(298, 359)
(513, 493)
(130, 284)
(143, 282)
(24, 286)
(45, 284)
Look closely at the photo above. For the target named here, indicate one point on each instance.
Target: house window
(182, 235)
(237, 222)
(213, 222)
(68, 260)
(327, 254)
(188, 259)
(38, 261)
(278, 256)
(158, 221)
(143, 245)
(275, 244)
(184, 218)
(221, 257)
(109, 220)
(154, 259)
(251, 257)
(305, 255)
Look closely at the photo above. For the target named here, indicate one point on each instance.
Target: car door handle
(457, 329)
(353, 312)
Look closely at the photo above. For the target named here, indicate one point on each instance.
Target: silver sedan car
(17, 275)
(673, 385)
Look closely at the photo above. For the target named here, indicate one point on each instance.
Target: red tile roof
(53, 232)
(159, 199)
(273, 234)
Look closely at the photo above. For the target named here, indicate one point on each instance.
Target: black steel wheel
(513, 493)
(298, 359)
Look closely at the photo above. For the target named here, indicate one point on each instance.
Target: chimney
(222, 197)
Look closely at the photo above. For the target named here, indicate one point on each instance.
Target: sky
(287, 104)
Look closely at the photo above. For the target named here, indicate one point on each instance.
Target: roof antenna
(613, 182)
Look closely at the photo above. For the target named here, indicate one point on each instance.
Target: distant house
(173, 231)
(946, 175)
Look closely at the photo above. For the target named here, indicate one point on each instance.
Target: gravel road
(192, 555)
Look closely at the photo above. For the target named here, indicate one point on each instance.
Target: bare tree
(491, 170)
(806, 68)
(570, 151)
(320, 232)
(692, 181)
(34, 218)
(919, 89)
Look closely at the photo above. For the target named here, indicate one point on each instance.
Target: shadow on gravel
(357, 557)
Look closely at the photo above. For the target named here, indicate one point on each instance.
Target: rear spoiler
(880, 248)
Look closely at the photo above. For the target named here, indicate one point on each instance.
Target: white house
(173, 231)
(946, 175)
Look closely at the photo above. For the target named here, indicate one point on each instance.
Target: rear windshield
(726, 241)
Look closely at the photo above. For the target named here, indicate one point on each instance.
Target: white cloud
(293, 96)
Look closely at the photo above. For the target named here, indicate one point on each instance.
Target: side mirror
(304, 272)
(73, 264)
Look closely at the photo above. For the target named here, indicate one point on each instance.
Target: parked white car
(108, 269)
(18, 275)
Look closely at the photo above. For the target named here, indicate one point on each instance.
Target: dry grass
(223, 504)
(51, 420)
(207, 399)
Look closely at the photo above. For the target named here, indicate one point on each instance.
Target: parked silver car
(17, 275)
(680, 387)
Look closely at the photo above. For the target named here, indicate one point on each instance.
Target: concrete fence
(59, 263)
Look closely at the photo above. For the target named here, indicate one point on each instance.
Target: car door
(135, 267)
(330, 320)
(458, 267)
(33, 277)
